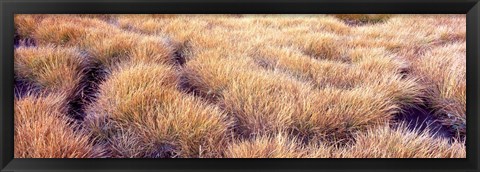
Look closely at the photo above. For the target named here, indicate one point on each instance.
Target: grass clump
(149, 116)
(112, 50)
(209, 73)
(387, 142)
(333, 114)
(69, 30)
(261, 104)
(50, 68)
(278, 145)
(444, 70)
(323, 46)
(25, 25)
(153, 50)
(42, 130)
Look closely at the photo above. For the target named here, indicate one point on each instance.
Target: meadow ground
(240, 86)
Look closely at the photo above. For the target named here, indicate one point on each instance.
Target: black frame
(10, 7)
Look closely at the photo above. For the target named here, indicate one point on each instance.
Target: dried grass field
(240, 86)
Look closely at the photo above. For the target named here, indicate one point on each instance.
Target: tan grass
(52, 69)
(444, 70)
(148, 114)
(68, 29)
(210, 72)
(263, 103)
(43, 131)
(332, 115)
(112, 50)
(279, 145)
(254, 85)
(385, 142)
(323, 46)
(153, 50)
(25, 25)
(268, 101)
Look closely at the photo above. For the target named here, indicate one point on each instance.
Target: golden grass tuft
(25, 25)
(263, 103)
(323, 46)
(51, 68)
(209, 73)
(153, 49)
(335, 113)
(69, 30)
(149, 117)
(387, 142)
(43, 131)
(279, 145)
(112, 50)
(65, 33)
(444, 70)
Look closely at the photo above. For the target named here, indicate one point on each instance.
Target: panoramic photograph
(240, 86)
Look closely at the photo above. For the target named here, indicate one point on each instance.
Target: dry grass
(379, 142)
(43, 131)
(305, 86)
(25, 25)
(108, 45)
(45, 65)
(148, 117)
(385, 142)
(51, 69)
(444, 70)
(276, 146)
